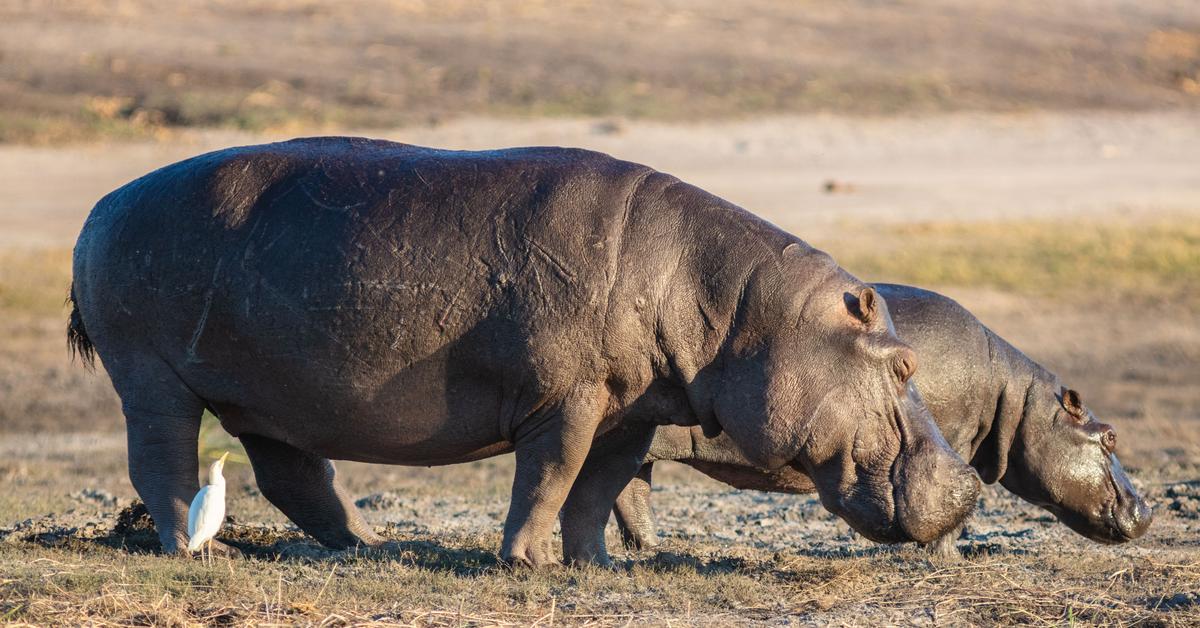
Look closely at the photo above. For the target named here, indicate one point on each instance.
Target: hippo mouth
(1119, 535)
(881, 527)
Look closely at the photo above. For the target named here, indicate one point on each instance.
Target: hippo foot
(636, 542)
(530, 555)
(590, 554)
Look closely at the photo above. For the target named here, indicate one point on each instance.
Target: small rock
(833, 186)
(379, 501)
(1176, 601)
(608, 127)
(96, 496)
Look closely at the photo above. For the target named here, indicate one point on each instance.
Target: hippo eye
(1075, 419)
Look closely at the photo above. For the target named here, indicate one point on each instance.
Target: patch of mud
(96, 496)
(1174, 602)
(132, 530)
(1184, 499)
(381, 501)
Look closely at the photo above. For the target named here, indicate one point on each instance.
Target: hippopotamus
(354, 299)
(996, 407)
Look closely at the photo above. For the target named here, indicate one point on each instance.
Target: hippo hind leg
(304, 487)
(635, 519)
(162, 425)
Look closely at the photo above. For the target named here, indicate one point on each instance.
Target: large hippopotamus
(344, 298)
(997, 408)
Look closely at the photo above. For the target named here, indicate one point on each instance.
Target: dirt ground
(1036, 161)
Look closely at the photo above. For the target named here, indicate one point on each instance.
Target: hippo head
(813, 375)
(1064, 460)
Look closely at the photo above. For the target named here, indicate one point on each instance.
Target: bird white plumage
(207, 512)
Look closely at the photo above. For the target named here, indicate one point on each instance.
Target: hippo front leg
(548, 461)
(612, 463)
(635, 518)
(304, 487)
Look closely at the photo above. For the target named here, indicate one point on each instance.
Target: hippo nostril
(1138, 521)
(1132, 517)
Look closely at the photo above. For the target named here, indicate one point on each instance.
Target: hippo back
(954, 350)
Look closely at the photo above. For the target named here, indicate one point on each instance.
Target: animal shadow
(674, 561)
(134, 532)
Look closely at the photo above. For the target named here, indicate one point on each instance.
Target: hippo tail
(78, 342)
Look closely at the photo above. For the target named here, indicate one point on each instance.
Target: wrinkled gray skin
(1006, 414)
(338, 298)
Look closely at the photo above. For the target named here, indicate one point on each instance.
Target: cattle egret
(207, 511)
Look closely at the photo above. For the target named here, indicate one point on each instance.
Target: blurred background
(1037, 161)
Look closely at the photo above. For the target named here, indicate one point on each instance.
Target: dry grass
(446, 581)
(34, 282)
(97, 68)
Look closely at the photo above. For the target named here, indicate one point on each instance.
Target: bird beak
(221, 460)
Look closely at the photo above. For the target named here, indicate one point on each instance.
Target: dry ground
(1077, 236)
(80, 69)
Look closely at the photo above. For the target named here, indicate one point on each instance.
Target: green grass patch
(1159, 259)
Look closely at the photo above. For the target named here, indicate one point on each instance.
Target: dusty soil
(967, 179)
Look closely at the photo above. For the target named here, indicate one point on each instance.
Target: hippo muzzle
(926, 493)
(1130, 515)
(1122, 517)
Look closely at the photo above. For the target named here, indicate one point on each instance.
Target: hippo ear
(864, 305)
(1072, 402)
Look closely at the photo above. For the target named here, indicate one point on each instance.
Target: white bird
(207, 512)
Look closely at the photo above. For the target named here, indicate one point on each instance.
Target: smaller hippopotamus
(998, 409)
